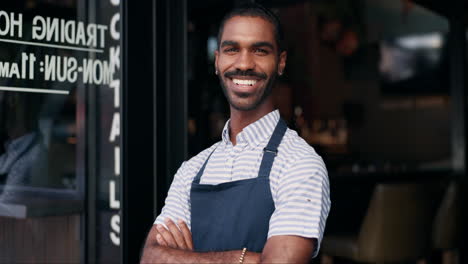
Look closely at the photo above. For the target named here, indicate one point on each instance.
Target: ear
(216, 60)
(282, 62)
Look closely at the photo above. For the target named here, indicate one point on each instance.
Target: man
(24, 152)
(262, 193)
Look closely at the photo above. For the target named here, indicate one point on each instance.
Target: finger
(187, 234)
(178, 237)
(167, 236)
(161, 240)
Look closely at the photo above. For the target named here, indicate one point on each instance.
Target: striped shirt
(298, 179)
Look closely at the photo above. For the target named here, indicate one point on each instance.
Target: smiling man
(261, 194)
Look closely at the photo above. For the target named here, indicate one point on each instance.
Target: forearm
(161, 254)
(288, 249)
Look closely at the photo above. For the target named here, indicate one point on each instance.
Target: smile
(244, 82)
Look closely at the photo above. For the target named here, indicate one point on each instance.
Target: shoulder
(296, 148)
(299, 158)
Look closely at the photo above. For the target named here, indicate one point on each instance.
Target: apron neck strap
(271, 150)
(200, 172)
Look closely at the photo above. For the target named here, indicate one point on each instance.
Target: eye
(230, 50)
(260, 51)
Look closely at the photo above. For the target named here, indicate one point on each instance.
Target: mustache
(250, 73)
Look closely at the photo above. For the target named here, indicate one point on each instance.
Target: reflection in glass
(24, 155)
(37, 129)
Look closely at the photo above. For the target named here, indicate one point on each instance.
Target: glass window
(37, 103)
(59, 129)
(40, 189)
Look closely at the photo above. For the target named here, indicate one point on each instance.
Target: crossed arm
(174, 245)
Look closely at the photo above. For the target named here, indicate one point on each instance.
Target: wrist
(251, 257)
(242, 256)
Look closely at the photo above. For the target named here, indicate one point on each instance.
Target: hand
(174, 236)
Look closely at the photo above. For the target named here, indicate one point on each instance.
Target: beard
(266, 90)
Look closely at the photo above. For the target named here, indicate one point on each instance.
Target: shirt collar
(256, 132)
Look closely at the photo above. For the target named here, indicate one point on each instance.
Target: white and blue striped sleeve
(177, 204)
(302, 200)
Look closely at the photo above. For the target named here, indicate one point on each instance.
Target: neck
(240, 119)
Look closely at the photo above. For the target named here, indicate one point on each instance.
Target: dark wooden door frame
(154, 112)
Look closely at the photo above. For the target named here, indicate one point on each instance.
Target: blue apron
(234, 215)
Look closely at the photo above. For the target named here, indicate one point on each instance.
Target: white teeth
(244, 82)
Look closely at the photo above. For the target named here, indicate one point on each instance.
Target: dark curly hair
(251, 9)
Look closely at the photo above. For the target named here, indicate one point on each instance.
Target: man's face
(247, 61)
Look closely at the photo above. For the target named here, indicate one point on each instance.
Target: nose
(245, 61)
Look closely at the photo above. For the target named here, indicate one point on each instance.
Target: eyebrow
(263, 44)
(255, 45)
(229, 43)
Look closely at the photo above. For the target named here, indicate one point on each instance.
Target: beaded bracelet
(241, 259)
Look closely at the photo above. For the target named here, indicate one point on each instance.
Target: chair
(447, 222)
(396, 227)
